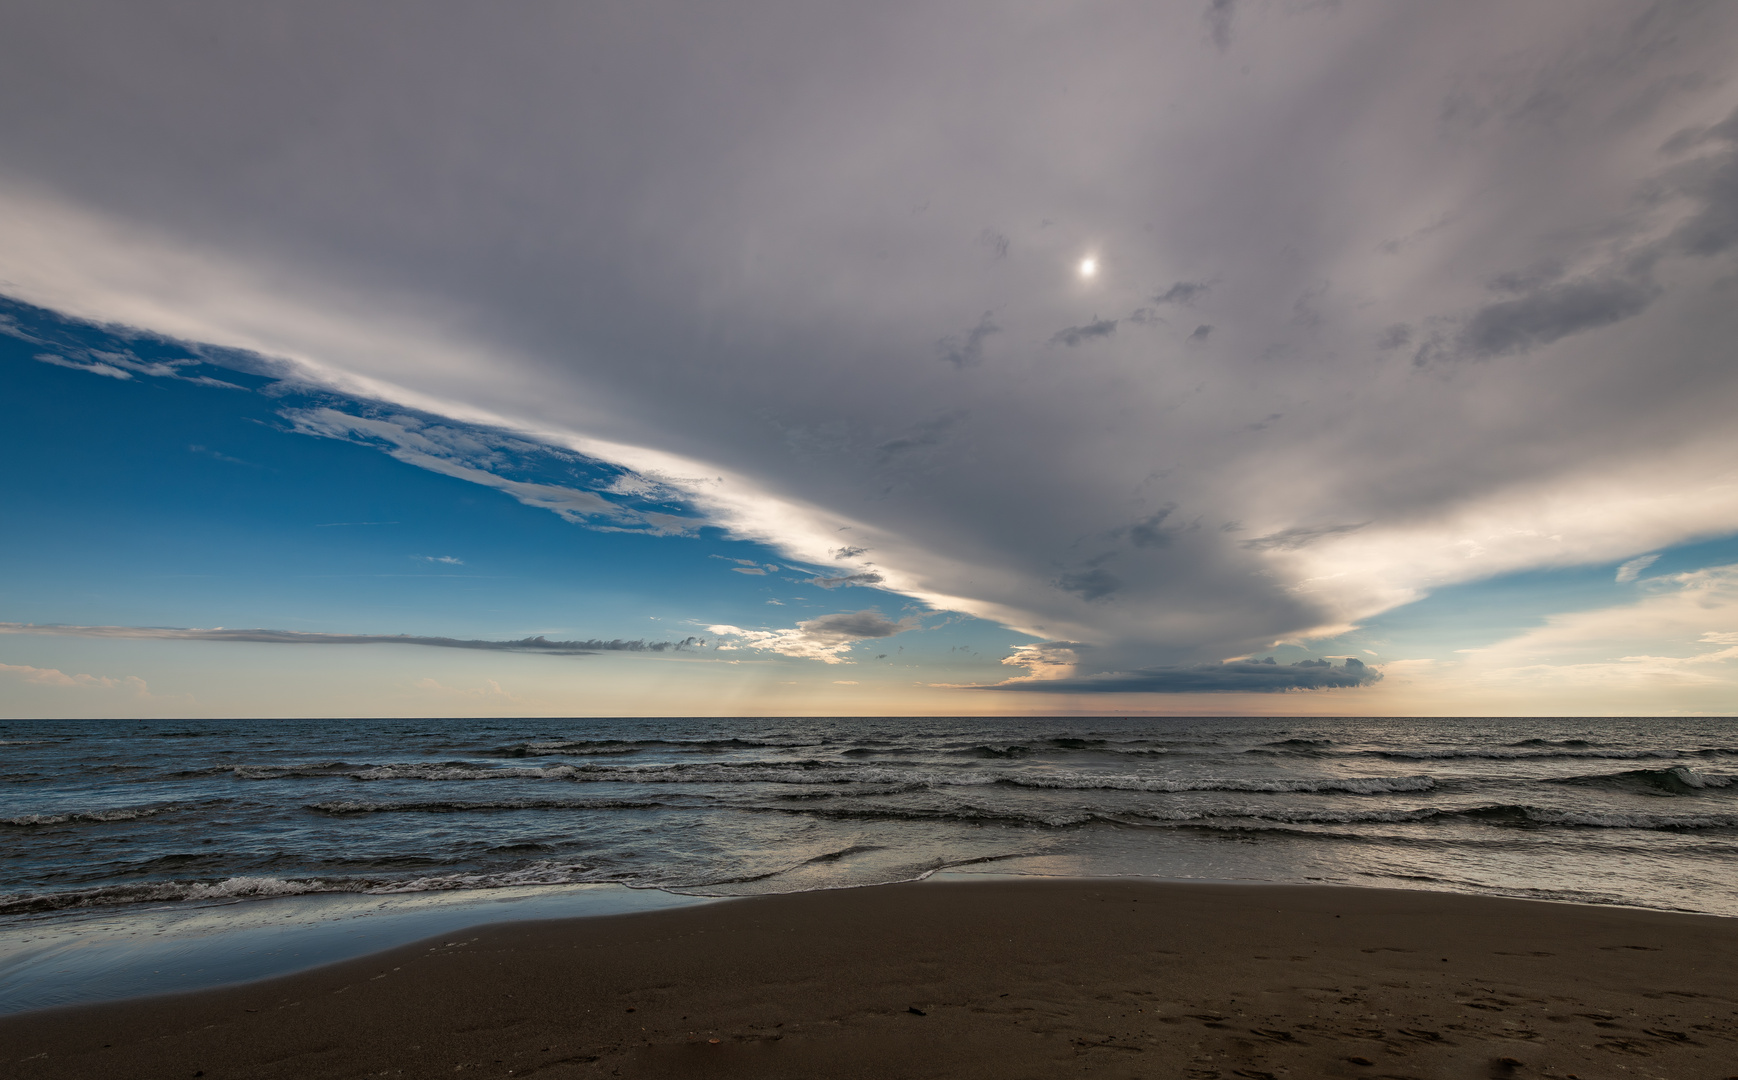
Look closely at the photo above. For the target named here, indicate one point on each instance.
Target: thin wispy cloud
(58, 679)
(1632, 569)
(537, 645)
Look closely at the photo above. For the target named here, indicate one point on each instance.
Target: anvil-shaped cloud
(1379, 304)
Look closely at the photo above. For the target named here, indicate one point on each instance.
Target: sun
(1088, 267)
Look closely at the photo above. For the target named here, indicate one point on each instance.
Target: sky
(1253, 357)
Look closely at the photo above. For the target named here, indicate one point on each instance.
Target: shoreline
(146, 950)
(1124, 977)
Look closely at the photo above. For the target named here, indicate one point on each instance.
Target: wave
(1241, 822)
(881, 751)
(1497, 814)
(1525, 750)
(544, 872)
(1351, 785)
(585, 747)
(117, 813)
(833, 772)
(1521, 814)
(149, 892)
(1676, 780)
(1014, 751)
(447, 806)
(1521, 753)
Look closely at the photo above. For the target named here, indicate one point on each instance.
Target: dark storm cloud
(539, 645)
(1200, 333)
(1237, 676)
(1074, 335)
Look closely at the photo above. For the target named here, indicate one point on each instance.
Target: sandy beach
(1004, 979)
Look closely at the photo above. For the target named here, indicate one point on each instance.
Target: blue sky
(162, 501)
(1045, 359)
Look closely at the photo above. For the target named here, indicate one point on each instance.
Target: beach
(998, 978)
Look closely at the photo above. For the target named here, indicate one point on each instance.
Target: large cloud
(1387, 296)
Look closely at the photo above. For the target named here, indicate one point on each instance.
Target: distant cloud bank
(1243, 676)
(538, 644)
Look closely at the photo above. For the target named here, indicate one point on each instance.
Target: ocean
(116, 823)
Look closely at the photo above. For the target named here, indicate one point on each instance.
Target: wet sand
(1004, 979)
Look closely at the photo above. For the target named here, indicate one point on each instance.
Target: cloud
(475, 454)
(1074, 335)
(1550, 314)
(923, 435)
(490, 691)
(1218, 17)
(538, 644)
(1237, 676)
(54, 677)
(1672, 650)
(659, 282)
(1150, 531)
(969, 352)
(865, 579)
(112, 363)
(1299, 536)
(1183, 292)
(1094, 583)
(93, 368)
(826, 639)
(447, 560)
(1632, 569)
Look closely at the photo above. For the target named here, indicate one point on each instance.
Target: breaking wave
(450, 806)
(1221, 819)
(1676, 780)
(71, 817)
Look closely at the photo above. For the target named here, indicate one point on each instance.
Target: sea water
(119, 826)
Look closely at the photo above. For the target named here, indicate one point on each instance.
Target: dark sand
(994, 979)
